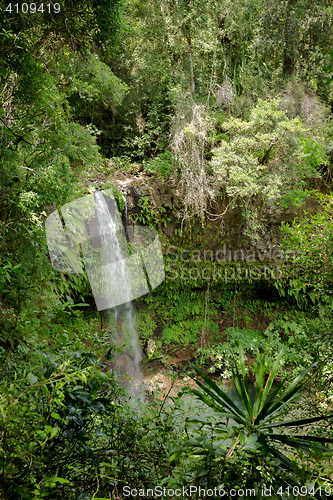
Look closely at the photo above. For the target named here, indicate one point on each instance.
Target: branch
(16, 135)
(212, 77)
(31, 169)
(35, 57)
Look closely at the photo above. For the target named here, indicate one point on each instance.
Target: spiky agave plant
(260, 419)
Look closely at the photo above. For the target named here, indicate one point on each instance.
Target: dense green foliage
(252, 435)
(227, 108)
(310, 278)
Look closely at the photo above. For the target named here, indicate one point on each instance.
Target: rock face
(218, 230)
(161, 194)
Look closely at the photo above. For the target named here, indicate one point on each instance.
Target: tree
(43, 149)
(292, 31)
(265, 161)
(309, 274)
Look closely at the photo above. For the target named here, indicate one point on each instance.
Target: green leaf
(217, 394)
(301, 444)
(194, 423)
(260, 374)
(251, 443)
(55, 415)
(271, 378)
(284, 460)
(32, 378)
(241, 385)
(55, 479)
(301, 421)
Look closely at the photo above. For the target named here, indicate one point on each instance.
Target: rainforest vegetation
(211, 122)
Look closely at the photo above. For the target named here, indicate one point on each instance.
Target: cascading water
(127, 362)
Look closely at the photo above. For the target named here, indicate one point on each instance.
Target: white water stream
(127, 362)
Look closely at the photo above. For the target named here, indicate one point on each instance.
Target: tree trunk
(289, 41)
(189, 50)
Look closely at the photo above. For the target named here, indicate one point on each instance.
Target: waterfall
(127, 362)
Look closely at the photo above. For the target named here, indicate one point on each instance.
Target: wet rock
(228, 229)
